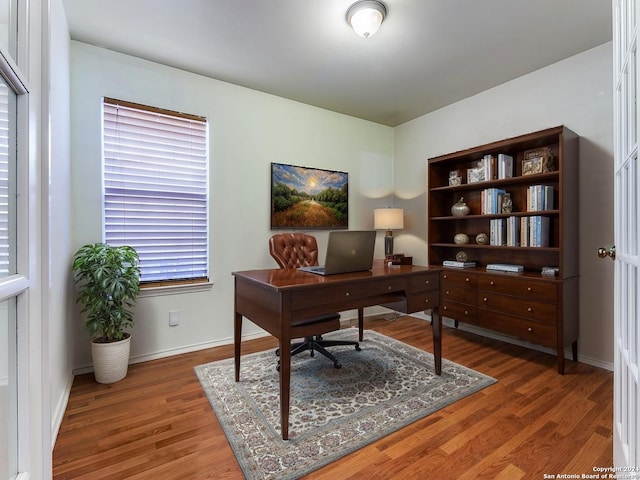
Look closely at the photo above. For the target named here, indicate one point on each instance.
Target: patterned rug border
(284, 455)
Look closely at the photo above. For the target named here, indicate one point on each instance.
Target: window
(7, 181)
(156, 189)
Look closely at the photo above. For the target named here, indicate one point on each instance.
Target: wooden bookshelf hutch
(527, 305)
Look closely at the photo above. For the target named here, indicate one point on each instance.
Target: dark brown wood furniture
(294, 250)
(527, 305)
(272, 299)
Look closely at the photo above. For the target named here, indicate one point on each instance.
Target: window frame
(168, 285)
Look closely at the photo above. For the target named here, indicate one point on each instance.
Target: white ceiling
(426, 55)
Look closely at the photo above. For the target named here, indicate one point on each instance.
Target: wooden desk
(272, 298)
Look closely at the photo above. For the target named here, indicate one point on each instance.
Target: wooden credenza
(530, 308)
(534, 231)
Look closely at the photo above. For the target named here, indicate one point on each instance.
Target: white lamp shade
(388, 218)
(365, 17)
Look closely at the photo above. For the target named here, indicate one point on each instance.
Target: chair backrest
(293, 250)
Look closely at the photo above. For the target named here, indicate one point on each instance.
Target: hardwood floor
(157, 423)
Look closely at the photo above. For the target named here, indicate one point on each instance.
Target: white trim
(521, 343)
(175, 289)
(58, 413)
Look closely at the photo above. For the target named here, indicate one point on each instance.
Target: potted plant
(108, 283)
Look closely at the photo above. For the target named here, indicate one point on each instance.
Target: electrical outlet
(174, 318)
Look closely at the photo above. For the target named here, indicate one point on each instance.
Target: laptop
(347, 251)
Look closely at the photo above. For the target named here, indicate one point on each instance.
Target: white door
(626, 418)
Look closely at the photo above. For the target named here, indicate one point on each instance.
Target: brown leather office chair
(293, 250)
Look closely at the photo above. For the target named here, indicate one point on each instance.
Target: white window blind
(156, 189)
(7, 184)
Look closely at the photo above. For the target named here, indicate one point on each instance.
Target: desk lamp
(388, 219)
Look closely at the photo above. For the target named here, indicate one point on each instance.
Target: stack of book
(456, 264)
(539, 197)
(491, 201)
(505, 166)
(505, 267)
(534, 231)
(497, 167)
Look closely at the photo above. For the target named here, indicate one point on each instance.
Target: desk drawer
(522, 307)
(341, 294)
(546, 291)
(427, 281)
(422, 301)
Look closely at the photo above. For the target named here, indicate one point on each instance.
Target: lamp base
(388, 243)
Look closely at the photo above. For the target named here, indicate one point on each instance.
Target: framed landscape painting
(308, 198)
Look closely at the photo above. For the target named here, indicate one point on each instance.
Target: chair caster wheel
(337, 365)
(358, 349)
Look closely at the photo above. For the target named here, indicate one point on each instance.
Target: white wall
(248, 130)
(576, 92)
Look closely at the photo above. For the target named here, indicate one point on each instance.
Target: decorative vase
(461, 238)
(110, 360)
(460, 208)
(482, 239)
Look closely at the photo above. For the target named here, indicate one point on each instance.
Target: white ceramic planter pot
(110, 360)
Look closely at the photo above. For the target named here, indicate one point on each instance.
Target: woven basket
(110, 360)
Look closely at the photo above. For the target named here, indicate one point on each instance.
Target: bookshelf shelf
(544, 211)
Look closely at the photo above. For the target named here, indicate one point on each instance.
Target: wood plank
(157, 423)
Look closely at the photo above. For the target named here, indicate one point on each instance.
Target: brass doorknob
(604, 252)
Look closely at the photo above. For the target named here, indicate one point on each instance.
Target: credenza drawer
(522, 307)
(458, 311)
(455, 293)
(547, 291)
(460, 279)
(532, 331)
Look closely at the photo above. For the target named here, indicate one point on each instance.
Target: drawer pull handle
(466, 279)
(426, 301)
(530, 329)
(444, 276)
(529, 309)
(347, 294)
(447, 292)
(492, 283)
(444, 308)
(466, 312)
(389, 287)
(427, 282)
(528, 289)
(484, 299)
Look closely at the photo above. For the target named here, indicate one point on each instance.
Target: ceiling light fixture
(366, 16)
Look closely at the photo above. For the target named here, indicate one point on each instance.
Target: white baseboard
(353, 321)
(175, 351)
(515, 341)
(58, 413)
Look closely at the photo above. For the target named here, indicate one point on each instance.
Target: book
(539, 197)
(456, 264)
(505, 166)
(505, 267)
(538, 231)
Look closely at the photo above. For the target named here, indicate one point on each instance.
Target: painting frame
(308, 198)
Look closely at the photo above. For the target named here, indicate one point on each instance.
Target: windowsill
(175, 289)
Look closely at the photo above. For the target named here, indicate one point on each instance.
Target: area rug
(380, 389)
